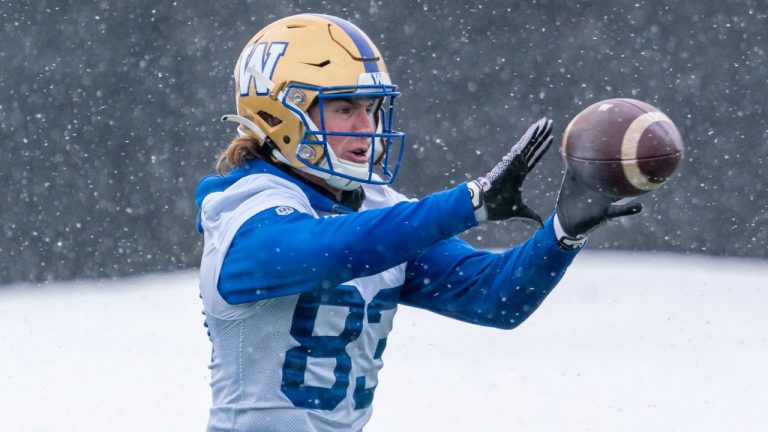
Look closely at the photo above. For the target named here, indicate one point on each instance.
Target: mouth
(357, 155)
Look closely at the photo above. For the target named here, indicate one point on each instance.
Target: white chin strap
(334, 181)
(342, 184)
(345, 167)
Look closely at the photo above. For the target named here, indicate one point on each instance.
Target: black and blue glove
(498, 195)
(581, 210)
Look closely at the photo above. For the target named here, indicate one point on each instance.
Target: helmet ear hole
(269, 118)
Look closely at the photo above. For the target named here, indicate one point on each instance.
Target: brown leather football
(622, 147)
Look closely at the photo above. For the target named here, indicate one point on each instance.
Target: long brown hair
(236, 153)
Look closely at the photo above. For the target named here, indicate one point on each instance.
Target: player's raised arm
(494, 289)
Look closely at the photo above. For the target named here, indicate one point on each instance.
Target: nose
(364, 122)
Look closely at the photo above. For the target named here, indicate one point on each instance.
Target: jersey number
(331, 347)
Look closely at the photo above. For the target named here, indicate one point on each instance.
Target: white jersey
(299, 303)
(303, 362)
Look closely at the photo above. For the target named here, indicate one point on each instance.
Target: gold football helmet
(303, 60)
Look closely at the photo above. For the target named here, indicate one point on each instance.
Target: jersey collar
(319, 198)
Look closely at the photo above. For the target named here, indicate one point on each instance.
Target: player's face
(348, 115)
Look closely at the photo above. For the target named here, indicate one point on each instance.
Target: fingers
(544, 129)
(615, 211)
(532, 145)
(534, 136)
(526, 139)
(538, 152)
(539, 142)
(534, 131)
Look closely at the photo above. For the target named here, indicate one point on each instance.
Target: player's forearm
(498, 290)
(528, 276)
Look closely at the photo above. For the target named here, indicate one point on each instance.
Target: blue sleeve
(492, 289)
(275, 255)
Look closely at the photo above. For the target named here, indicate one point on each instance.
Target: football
(622, 147)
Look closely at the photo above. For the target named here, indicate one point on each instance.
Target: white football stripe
(629, 150)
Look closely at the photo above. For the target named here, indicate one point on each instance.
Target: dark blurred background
(109, 115)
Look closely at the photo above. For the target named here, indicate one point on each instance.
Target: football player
(308, 251)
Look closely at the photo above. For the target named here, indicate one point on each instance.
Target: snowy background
(109, 114)
(629, 342)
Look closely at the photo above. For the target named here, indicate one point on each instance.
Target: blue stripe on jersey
(360, 40)
(363, 396)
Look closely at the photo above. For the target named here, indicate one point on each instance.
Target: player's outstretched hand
(498, 195)
(581, 210)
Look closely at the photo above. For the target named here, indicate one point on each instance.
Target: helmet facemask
(385, 146)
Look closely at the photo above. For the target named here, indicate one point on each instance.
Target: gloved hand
(581, 210)
(498, 195)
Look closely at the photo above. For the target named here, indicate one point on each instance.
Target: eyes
(350, 108)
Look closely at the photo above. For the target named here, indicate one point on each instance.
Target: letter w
(263, 60)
